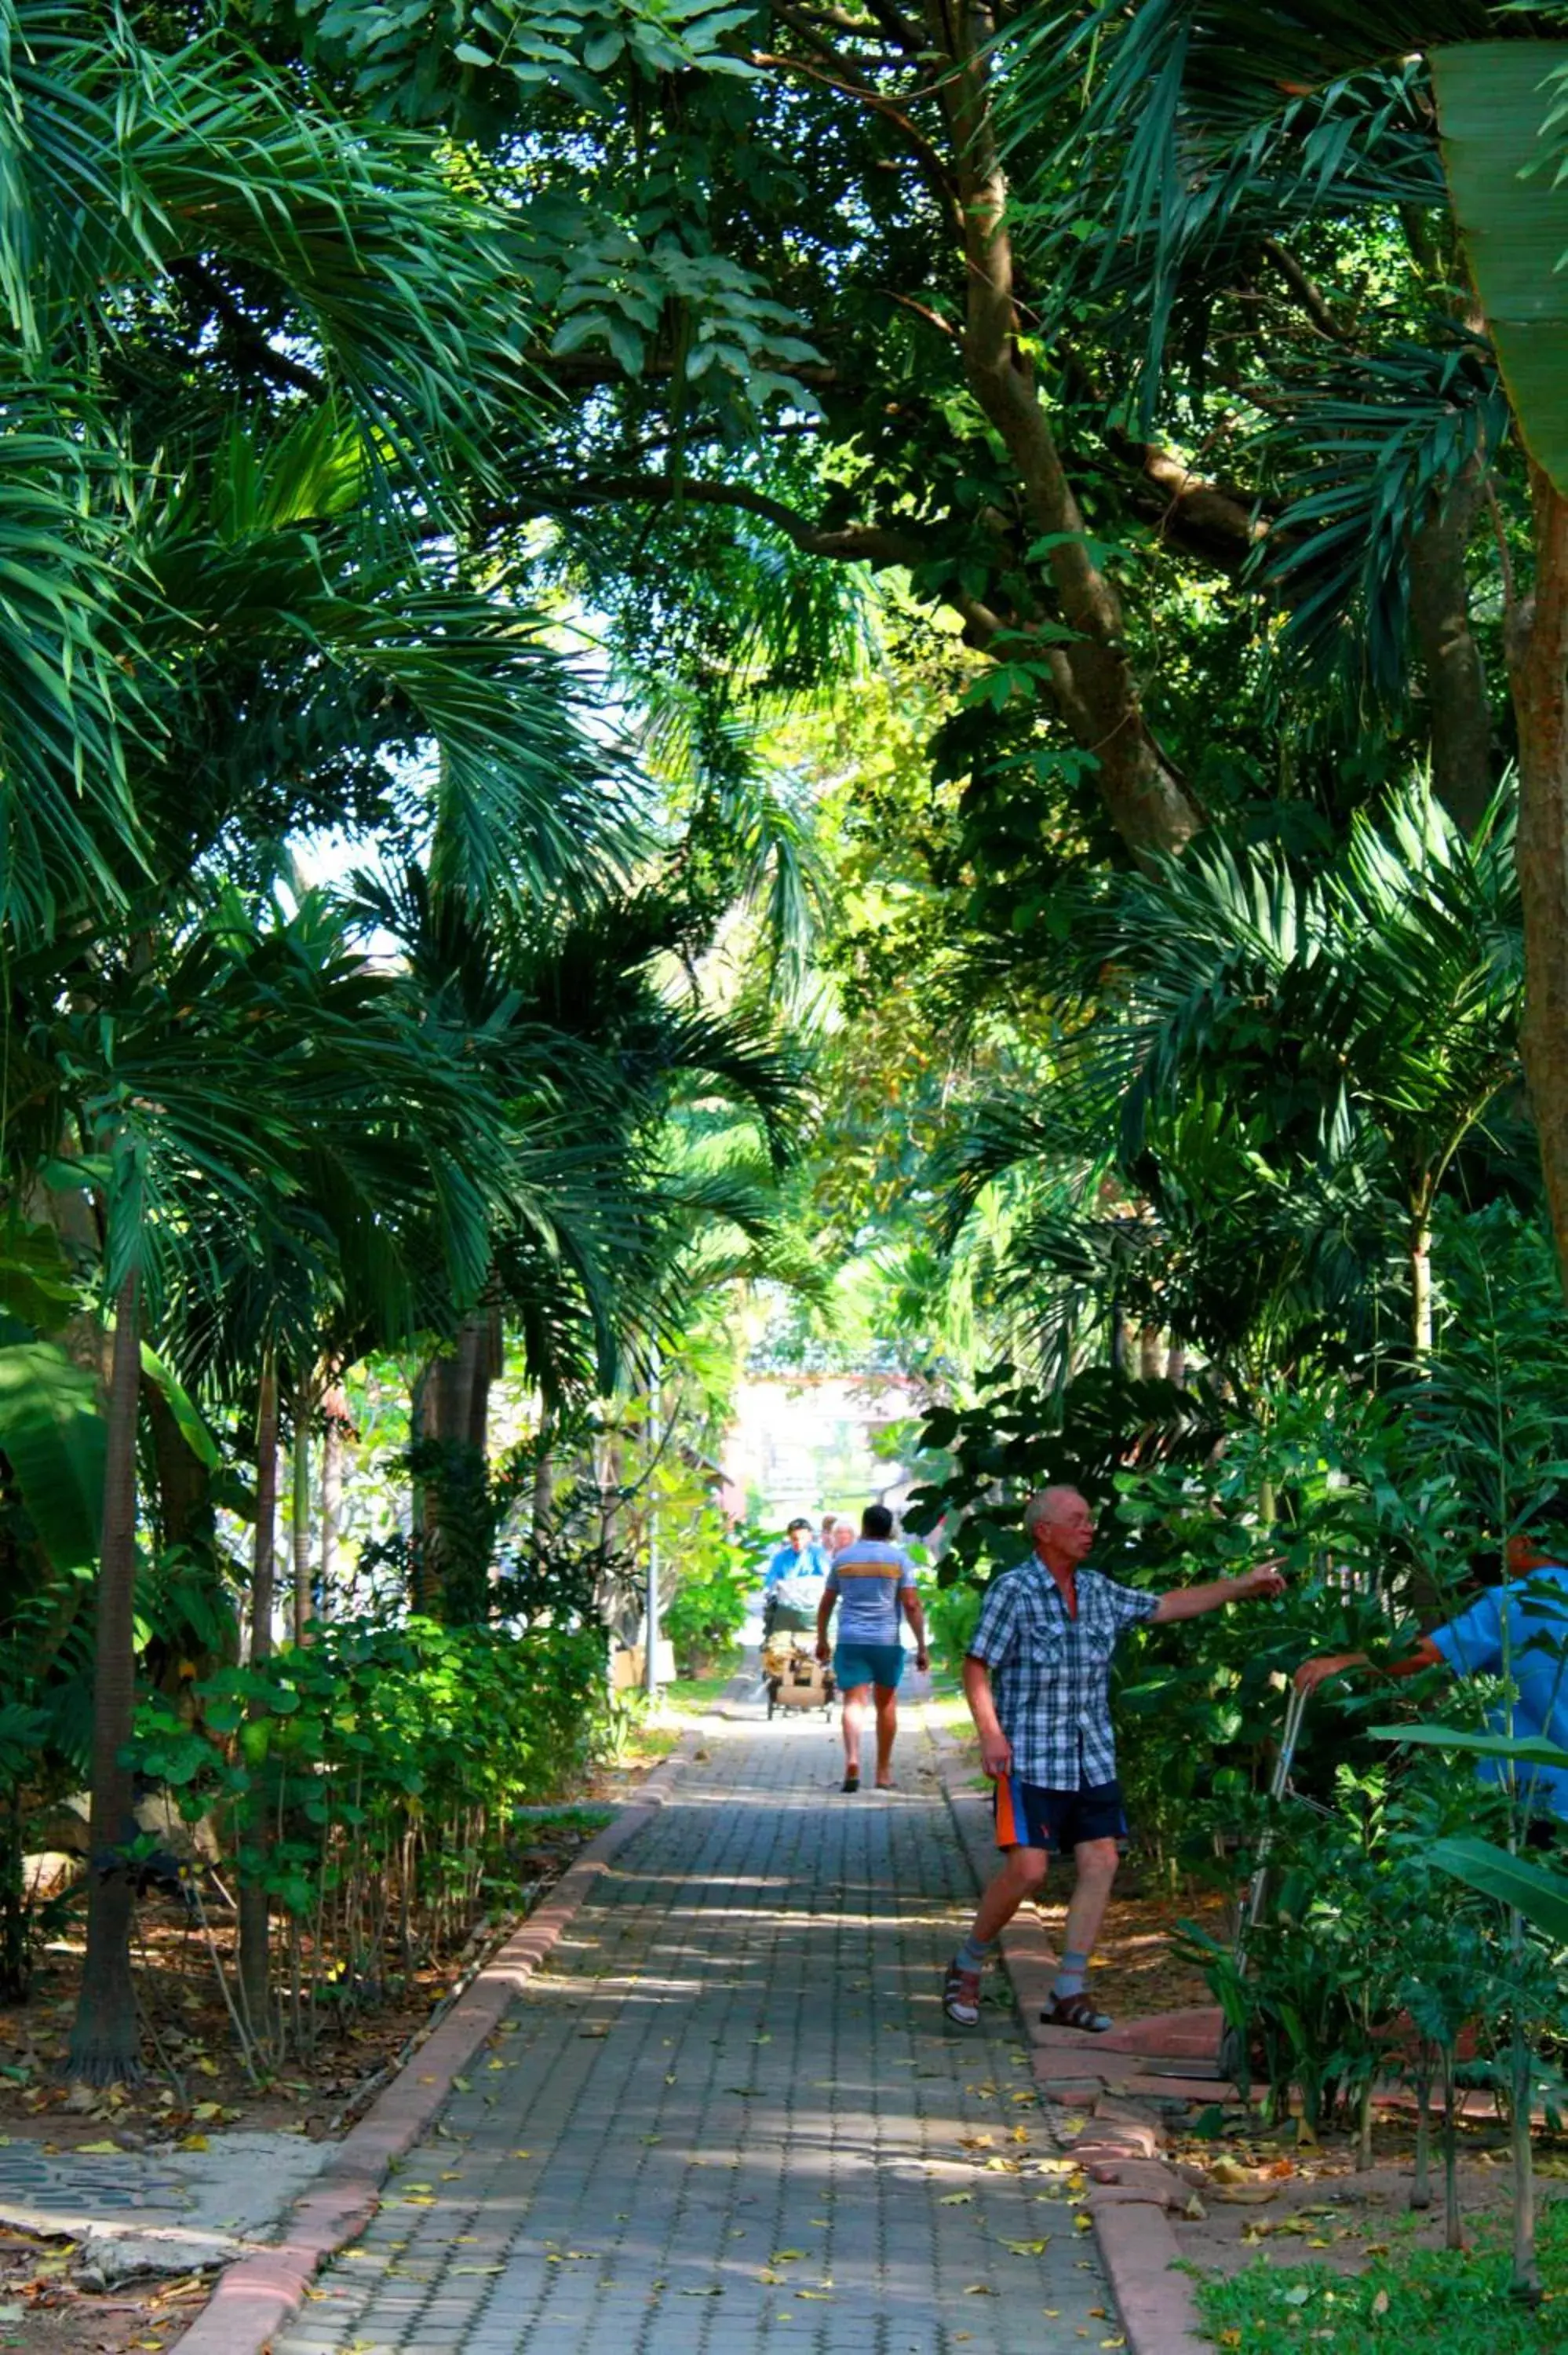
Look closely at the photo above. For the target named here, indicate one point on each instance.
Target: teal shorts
(867, 1664)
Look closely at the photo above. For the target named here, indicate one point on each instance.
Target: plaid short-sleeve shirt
(1050, 1672)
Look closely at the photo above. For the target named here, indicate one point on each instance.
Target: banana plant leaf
(52, 1435)
(1527, 1749)
(1539, 1895)
(1493, 99)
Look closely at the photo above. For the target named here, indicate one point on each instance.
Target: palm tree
(1210, 130)
(1273, 1055)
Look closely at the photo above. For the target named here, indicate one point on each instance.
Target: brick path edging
(1129, 2191)
(257, 2295)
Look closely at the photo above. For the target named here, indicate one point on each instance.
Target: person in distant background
(1522, 1627)
(793, 1584)
(841, 1535)
(872, 1582)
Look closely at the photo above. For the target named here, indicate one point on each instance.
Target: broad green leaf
(1540, 1896)
(1493, 97)
(192, 1430)
(1528, 1750)
(53, 1436)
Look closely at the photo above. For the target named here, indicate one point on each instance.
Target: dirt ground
(1254, 2192)
(1135, 1972)
(1280, 2195)
(196, 2087)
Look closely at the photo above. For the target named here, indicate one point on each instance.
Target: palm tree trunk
(254, 1973)
(425, 1406)
(544, 1477)
(331, 1503)
(1536, 639)
(104, 2044)
(1421, 1285)
(299, 1514)
(1458, 707)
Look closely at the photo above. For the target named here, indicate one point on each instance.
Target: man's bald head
(1061, 1525)
(1051, 1507)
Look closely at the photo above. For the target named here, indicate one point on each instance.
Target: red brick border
(257, 2295)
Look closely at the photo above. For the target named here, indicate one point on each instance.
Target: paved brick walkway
(730, 2115)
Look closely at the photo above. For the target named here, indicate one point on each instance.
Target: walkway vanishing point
(729, 2115)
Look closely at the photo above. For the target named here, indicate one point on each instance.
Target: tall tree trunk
(1421, 1285)
(332, 1494)
(1091, 674)
(105, 2044)
(545, 1476)
(254, 1959)
(1458, 709)
(186, 1517)
(489, 1362)
(300, 1515)
(1538, 674)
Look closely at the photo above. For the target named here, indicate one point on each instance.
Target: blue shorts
(867, 1664)
(1027, 1816)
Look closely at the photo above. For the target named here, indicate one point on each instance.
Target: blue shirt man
(799, 1557)
(872, 1584)
(1521, 1631)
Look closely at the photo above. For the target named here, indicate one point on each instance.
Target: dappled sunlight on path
(729, 2110)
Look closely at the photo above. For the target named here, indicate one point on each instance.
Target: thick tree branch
(878, 545)
(1306, 292)
(1096, 690)
(1218, 525)
(261, 354)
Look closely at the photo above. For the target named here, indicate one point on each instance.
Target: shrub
(368, 1780)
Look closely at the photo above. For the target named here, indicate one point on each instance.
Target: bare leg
(1097, 1861)
(1023, 1872)
(886, 1728)
(855, 1700)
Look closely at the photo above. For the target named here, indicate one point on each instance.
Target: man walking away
(872, 1582)
(1036, 1679)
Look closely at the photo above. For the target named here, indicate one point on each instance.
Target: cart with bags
(793, 1675)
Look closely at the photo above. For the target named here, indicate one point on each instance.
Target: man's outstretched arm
(1316, 1671)
(1191, 1601)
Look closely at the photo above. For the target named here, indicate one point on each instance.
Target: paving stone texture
(728, 2114)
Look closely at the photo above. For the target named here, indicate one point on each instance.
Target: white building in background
(804, 1443)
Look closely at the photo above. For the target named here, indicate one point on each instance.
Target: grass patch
(1449, 2302)
(689, 1696)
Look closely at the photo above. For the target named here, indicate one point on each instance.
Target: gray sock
(971, 1956)
(1069, 1979)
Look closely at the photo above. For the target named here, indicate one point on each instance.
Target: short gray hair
(1046, 1503)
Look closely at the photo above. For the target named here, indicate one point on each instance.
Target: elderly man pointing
(1036, 1678)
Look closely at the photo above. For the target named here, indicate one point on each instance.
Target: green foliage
(378, 1762)
(952, 1613)
(1513, 215)
(708, 1608)
(1455, 2299)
